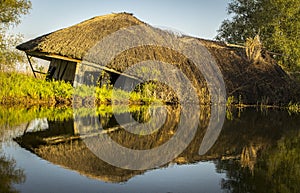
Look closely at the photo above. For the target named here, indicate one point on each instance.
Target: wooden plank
(51, 56)
(54, 56)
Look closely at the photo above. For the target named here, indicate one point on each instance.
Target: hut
(250, 81)
(66, 48)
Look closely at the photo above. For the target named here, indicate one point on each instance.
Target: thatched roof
(75, 41)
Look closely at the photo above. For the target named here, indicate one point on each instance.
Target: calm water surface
(43, 150)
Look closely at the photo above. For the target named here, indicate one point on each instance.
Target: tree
(276, 21)
(11, 12)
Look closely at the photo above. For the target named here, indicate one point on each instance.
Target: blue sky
(199, 18)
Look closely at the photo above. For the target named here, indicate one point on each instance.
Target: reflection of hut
(61, 145)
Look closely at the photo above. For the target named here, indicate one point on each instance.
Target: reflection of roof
(238, 137)
(76, 156)
(75, 41)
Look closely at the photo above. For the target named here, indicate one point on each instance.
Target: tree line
(277, 22)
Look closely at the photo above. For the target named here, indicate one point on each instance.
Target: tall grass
(16, 88)
(20, 88)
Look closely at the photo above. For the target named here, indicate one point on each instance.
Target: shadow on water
(258, 151)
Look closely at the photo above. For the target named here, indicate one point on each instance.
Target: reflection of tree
(241, 179)
(282, 164)
(9, 175)
(277, 169)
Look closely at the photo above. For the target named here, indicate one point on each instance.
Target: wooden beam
(109, 70)
(55, 56)
(33, 71)
(31, 66)
(47, 56)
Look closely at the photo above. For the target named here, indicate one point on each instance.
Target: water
(45, 150)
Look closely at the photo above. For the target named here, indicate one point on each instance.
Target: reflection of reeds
(294, 107)
(13, 116)
(249, 156)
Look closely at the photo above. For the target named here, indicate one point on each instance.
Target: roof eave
(48, 56)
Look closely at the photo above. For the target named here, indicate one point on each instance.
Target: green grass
(19, 88)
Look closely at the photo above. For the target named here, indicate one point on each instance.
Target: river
(74, 150)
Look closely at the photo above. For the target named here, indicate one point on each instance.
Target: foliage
(19, 88)
(11, 12)
(107, 94)
(9, 56)
(276, 21)
(22, 88)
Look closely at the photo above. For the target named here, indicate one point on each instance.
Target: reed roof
(75, 41)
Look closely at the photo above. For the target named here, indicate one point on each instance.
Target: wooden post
(33, 71)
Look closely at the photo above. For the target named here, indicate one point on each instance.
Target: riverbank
(25, 90)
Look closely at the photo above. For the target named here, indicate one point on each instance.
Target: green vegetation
(10, 13)
(22, 89)
(277, 22)
(107, 94)
(13, 116)
(19, 88)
